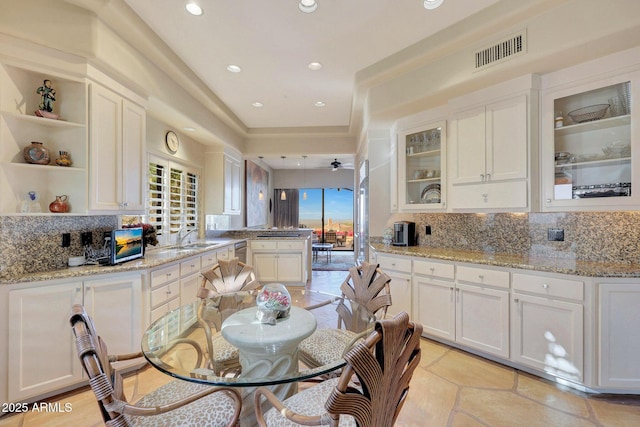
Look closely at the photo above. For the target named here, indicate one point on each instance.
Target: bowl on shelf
(617, 149)
(590, 113)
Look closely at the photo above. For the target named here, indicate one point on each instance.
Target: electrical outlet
(86, 238)
(427, 230)
(66, 240)
(555, 234)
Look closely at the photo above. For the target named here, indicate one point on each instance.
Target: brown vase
(64, 159)
(36, 153)
(59, 205)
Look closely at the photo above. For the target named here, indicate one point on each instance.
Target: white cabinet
(493, 148)
(590, 161)
(547, 325)
(223, 184)
(115, 304)
(165, 290)
(399, 269)
(19, 126)
(190, 281)
(482, 309)
(117, 149)
(619, 336)
(41, 348)
(434, 307)
(422, 166)
(279, 260)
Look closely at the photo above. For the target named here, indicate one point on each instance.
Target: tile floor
(449, 388)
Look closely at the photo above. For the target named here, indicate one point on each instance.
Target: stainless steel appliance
(240, 249)
(404, 233)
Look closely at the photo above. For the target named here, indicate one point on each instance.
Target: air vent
(510, 47)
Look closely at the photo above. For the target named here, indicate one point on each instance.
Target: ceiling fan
(335, 165)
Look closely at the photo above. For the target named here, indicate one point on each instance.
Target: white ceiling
(273, 42)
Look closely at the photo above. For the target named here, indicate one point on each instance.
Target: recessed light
(189, 129)
(258, 104)
(432, 4)
(319, 104)
(194, 8)
(314, 66)
(233, 68)
(308, 6)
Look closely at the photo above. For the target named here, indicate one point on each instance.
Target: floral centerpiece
(274, 302)
(149, 235)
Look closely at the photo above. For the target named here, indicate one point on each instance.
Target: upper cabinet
(223, 183)
(590, 151)
(421, 166)
(493, 148)
(21, 181)
(117, 150)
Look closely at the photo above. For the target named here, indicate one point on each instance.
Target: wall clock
(172, 142)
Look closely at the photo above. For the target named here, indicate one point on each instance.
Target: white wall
(313, 178)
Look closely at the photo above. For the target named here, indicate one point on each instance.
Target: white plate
(431, 194)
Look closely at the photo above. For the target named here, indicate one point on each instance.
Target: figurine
(47, 97)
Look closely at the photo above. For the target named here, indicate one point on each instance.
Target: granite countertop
(153, 258)
(526, 262)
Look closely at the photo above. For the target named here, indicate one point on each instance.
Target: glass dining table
(190, 342)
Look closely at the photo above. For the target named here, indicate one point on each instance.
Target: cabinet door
(467, 155)
(188, 295)
(400, 286)
(133, 148)
(42, 351)
(548, 335)
(265, 267)
(482, 319)
(115, 304)
(591, 163)
(289, 267)
(106, 143)
(232, 186)
(506, 148)
(421, 167)
(435, 307)
(619, 338)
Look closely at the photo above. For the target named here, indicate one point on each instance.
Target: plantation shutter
(157, 206)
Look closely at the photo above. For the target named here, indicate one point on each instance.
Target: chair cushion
(308, 402)
(213, 410)
(222, 350)
(325, 346)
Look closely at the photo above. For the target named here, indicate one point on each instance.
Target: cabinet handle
(481, 276)
(125, 204)
(485, 195)
(488, 177)
(516, 300)
(432, 270)
(482, 176)
(168, 292)
(545, 286)
(168, 274)
(548, 200)
(193, 266)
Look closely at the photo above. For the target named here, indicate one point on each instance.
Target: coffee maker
(404, 233)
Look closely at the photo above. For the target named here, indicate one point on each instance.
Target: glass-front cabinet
(421, 160)
(590, 159)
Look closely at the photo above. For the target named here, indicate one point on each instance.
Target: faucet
(180, 239)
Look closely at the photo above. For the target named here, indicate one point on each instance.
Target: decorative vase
(64, 159)
(36, 153)
(59, 205)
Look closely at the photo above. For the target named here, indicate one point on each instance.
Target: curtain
(286, 212)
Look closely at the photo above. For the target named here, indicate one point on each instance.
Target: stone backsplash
(30, 244)
(588, 236)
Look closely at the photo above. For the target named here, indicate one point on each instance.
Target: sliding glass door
(329, 212)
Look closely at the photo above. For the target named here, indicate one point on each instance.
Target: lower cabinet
(434, 305)
(619, 336)
(279, 261)
(547, 325)
(399, 269)
(41, 348)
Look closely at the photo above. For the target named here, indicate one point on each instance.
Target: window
(173, 196)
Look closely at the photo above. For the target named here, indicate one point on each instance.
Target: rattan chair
(176, 403)
(231, 284)
(365, 291)
(383, 365)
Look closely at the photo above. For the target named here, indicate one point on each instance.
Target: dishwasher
(240, 249)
